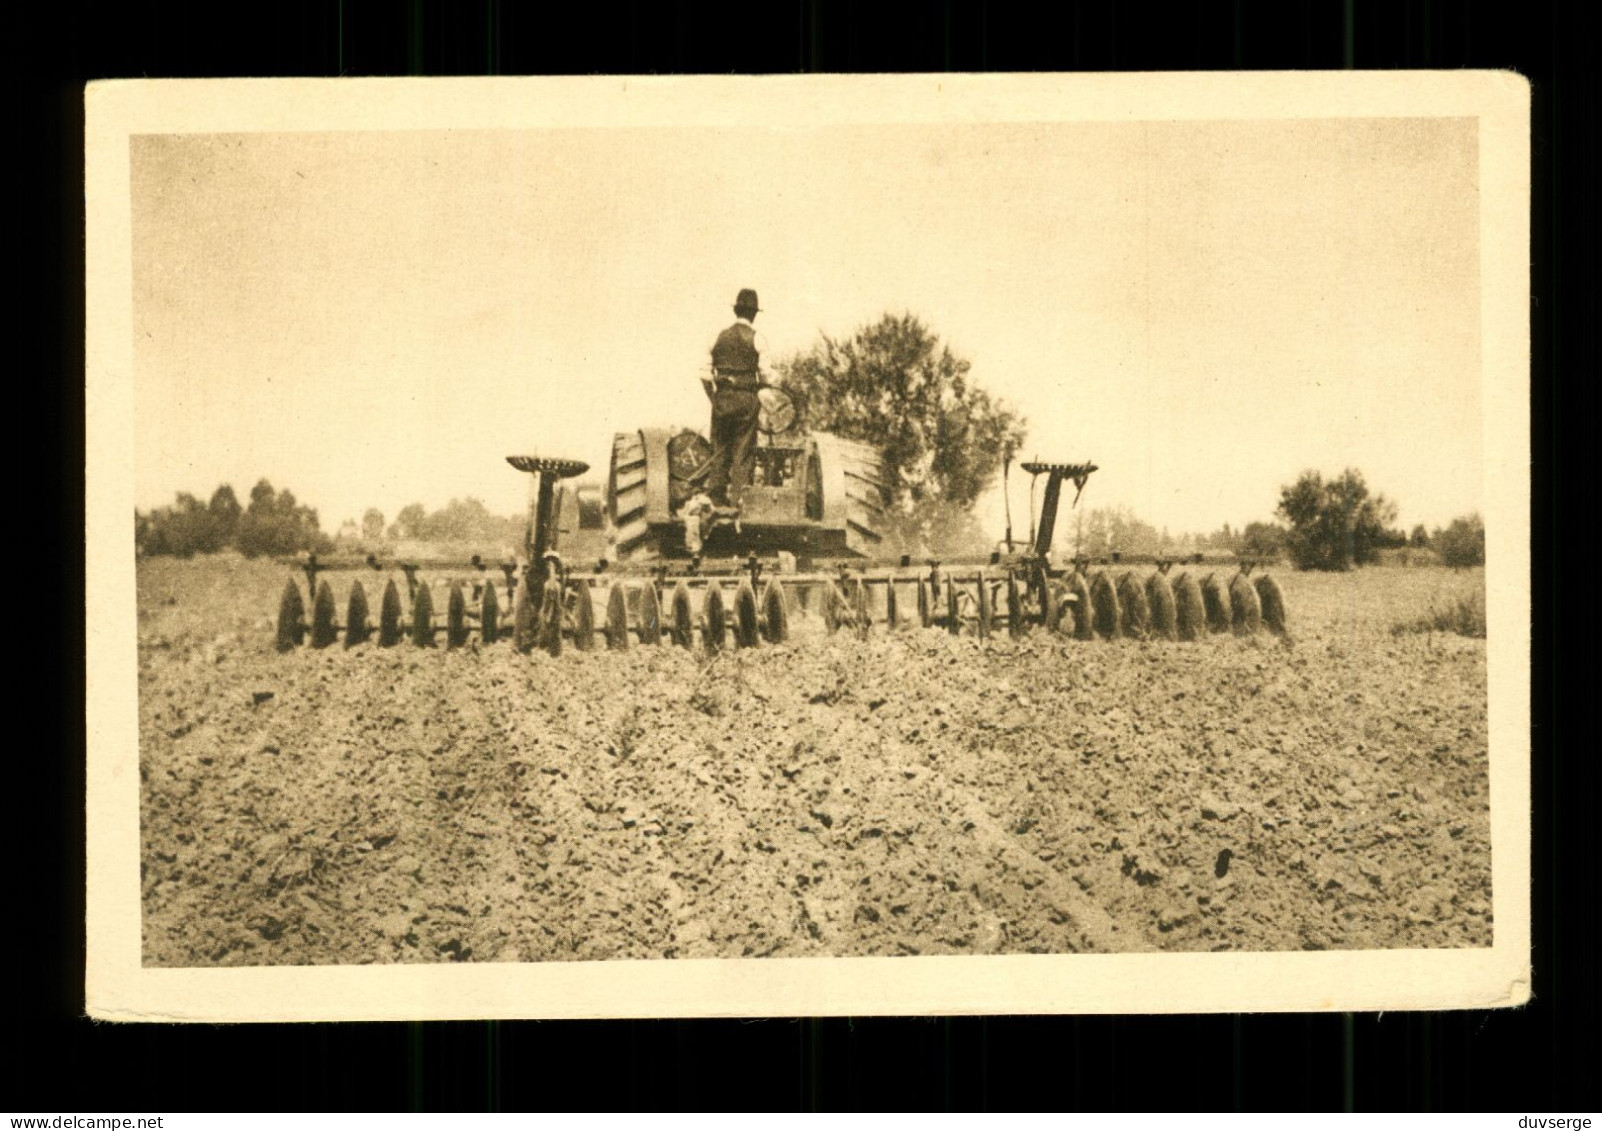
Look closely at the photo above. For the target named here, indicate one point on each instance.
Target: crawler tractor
(647, 560)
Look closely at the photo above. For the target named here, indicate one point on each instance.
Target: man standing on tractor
(732, 387)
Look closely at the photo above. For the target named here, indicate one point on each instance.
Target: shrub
(1464, 616)
(1462, 543)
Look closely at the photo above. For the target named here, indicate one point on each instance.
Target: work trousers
(734, 431)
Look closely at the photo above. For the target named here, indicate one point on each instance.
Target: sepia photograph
(864, 545)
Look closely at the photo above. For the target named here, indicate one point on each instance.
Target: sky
(1204, 309)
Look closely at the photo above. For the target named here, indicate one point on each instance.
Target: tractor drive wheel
(775, 614)
(617, 619)
(423, 617)
(746, 631)
(456, 630)
(715, 620)
(525, 617)
(389, 616)
(489, 614)
(650, 615)
(323, 631)
(583, 618)
(683, 617)
(357, 629)
(291, 617)
(550, 622)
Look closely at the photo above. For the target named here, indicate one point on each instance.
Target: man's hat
(747, 300)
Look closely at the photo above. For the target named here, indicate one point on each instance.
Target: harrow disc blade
(1164, 616)
(323, 632)
(1080, 608)
(389, 616)
(986, 605)
(1106, 617)
(1136, 610)
(683, 617)
(423, 617)
(1016, 622)
(892, 614)
(489, 614)
(746, 633)
(583, 620)
(550, 619)
(1273, 604)
(291, 617)
(1246, 605)
(456, 617)
(357, 630)
(1190, 612)
(861, 607)
(834, 606)
(650, 615)
(1215, 600)
(617, 619)
(953, 608)
(525, 617)
(715, 621)
(926, 614)
(775, 614)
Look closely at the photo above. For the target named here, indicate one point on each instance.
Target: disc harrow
(541, 603)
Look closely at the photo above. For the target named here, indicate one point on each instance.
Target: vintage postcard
(807, 545)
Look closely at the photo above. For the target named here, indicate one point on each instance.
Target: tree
(410, 523)
(1420, 538)
(895, 386)
(373, 524)
(1334, 525)
(1264, 541)
(224, 511)
(1462, 542)
(274, 523)
(1117, 530)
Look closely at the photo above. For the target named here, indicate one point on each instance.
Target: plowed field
(915, 794)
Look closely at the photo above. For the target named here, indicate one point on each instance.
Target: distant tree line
(273, 522)
(460, 520)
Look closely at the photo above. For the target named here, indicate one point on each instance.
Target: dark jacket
(735, 357)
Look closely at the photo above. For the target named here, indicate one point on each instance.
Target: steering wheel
(776, 413)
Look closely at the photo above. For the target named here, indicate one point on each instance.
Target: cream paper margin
(118, 988)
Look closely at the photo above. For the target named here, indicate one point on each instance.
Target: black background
(1541, 1058)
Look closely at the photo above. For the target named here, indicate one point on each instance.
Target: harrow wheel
(583, 618)
(323, 632)
(617, 619)
(683, 618)
(775, 614)
(291, 617)
(1016, 624)
(650, 615)
(716, 622)
(423, 617)
(746, 631)
(357, 629)
(525, 617)
(389, 616)
(456, 630)
(550, 622)
(489, 614)
(987, 609)
(925, 604)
